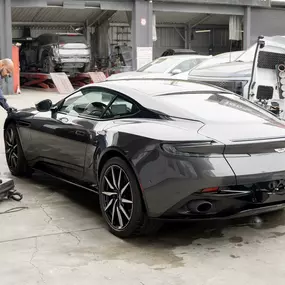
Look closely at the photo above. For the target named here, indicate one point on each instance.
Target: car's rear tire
(15, 157)
(48, 65)
(121, 201)
(23, 65)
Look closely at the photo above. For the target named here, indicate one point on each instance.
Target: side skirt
(90, 188)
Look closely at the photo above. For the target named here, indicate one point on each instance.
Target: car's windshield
(66, 39)
(160, 65)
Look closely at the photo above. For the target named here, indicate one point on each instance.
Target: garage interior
(205, 30)
(106, 24)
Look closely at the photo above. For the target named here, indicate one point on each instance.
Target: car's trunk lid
(255, 152)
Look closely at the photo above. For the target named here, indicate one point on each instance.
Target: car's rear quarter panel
(167, 180)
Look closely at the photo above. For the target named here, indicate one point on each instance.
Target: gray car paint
(77, 147)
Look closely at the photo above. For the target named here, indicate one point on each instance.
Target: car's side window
(120, 108)
(89, 102)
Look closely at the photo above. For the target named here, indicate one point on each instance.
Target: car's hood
(230, 69)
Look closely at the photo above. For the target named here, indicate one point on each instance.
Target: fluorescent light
(203, 31)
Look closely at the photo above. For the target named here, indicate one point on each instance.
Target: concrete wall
(217, 39)
(168, 38)
(267, 22)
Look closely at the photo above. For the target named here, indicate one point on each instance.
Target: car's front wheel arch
(13, 150)
(8, 122)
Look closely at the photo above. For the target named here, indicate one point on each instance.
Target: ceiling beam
(198, 8)
(253, 3)
(77, 24)
(101, 18)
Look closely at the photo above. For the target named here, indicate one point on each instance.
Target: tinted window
(90, 102)
(120, 108)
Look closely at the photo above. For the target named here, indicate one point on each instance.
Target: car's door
(119, 107)
(60, 137)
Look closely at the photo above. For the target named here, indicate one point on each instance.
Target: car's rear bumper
(240, 214)
(170, 184)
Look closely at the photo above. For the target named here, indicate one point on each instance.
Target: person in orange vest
(6, 70)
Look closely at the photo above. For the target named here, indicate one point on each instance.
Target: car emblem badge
(280, 150)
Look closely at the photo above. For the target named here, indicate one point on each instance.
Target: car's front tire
(15, 157)
(121, 201)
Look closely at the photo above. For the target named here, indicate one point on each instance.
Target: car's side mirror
(176, 71)
(44, 106)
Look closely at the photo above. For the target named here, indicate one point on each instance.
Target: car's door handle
(80, 133)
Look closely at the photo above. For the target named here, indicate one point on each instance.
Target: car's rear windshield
(66, 39)
(215, 106)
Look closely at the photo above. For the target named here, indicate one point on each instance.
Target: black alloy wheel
(14, 153)
(12, 148)
(117, 197)
(121, 201)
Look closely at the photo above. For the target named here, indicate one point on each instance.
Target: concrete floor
(59, 238)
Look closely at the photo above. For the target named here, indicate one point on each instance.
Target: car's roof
(147, 92)
(155, 87)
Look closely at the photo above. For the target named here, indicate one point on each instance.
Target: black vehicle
(55, 52)
(155, 149)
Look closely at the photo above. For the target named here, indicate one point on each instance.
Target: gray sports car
(155, 149)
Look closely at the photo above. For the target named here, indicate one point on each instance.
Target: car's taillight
(194, 149)
(210, 190)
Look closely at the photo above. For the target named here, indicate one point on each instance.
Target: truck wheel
(85, 68)
(48, 65)
(23, 65)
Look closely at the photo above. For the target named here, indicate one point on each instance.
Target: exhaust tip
(204, 208)
(200, 206)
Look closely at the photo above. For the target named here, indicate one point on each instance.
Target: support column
(247, 28)
(6, 40)
(141, 30)
(103, 40)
